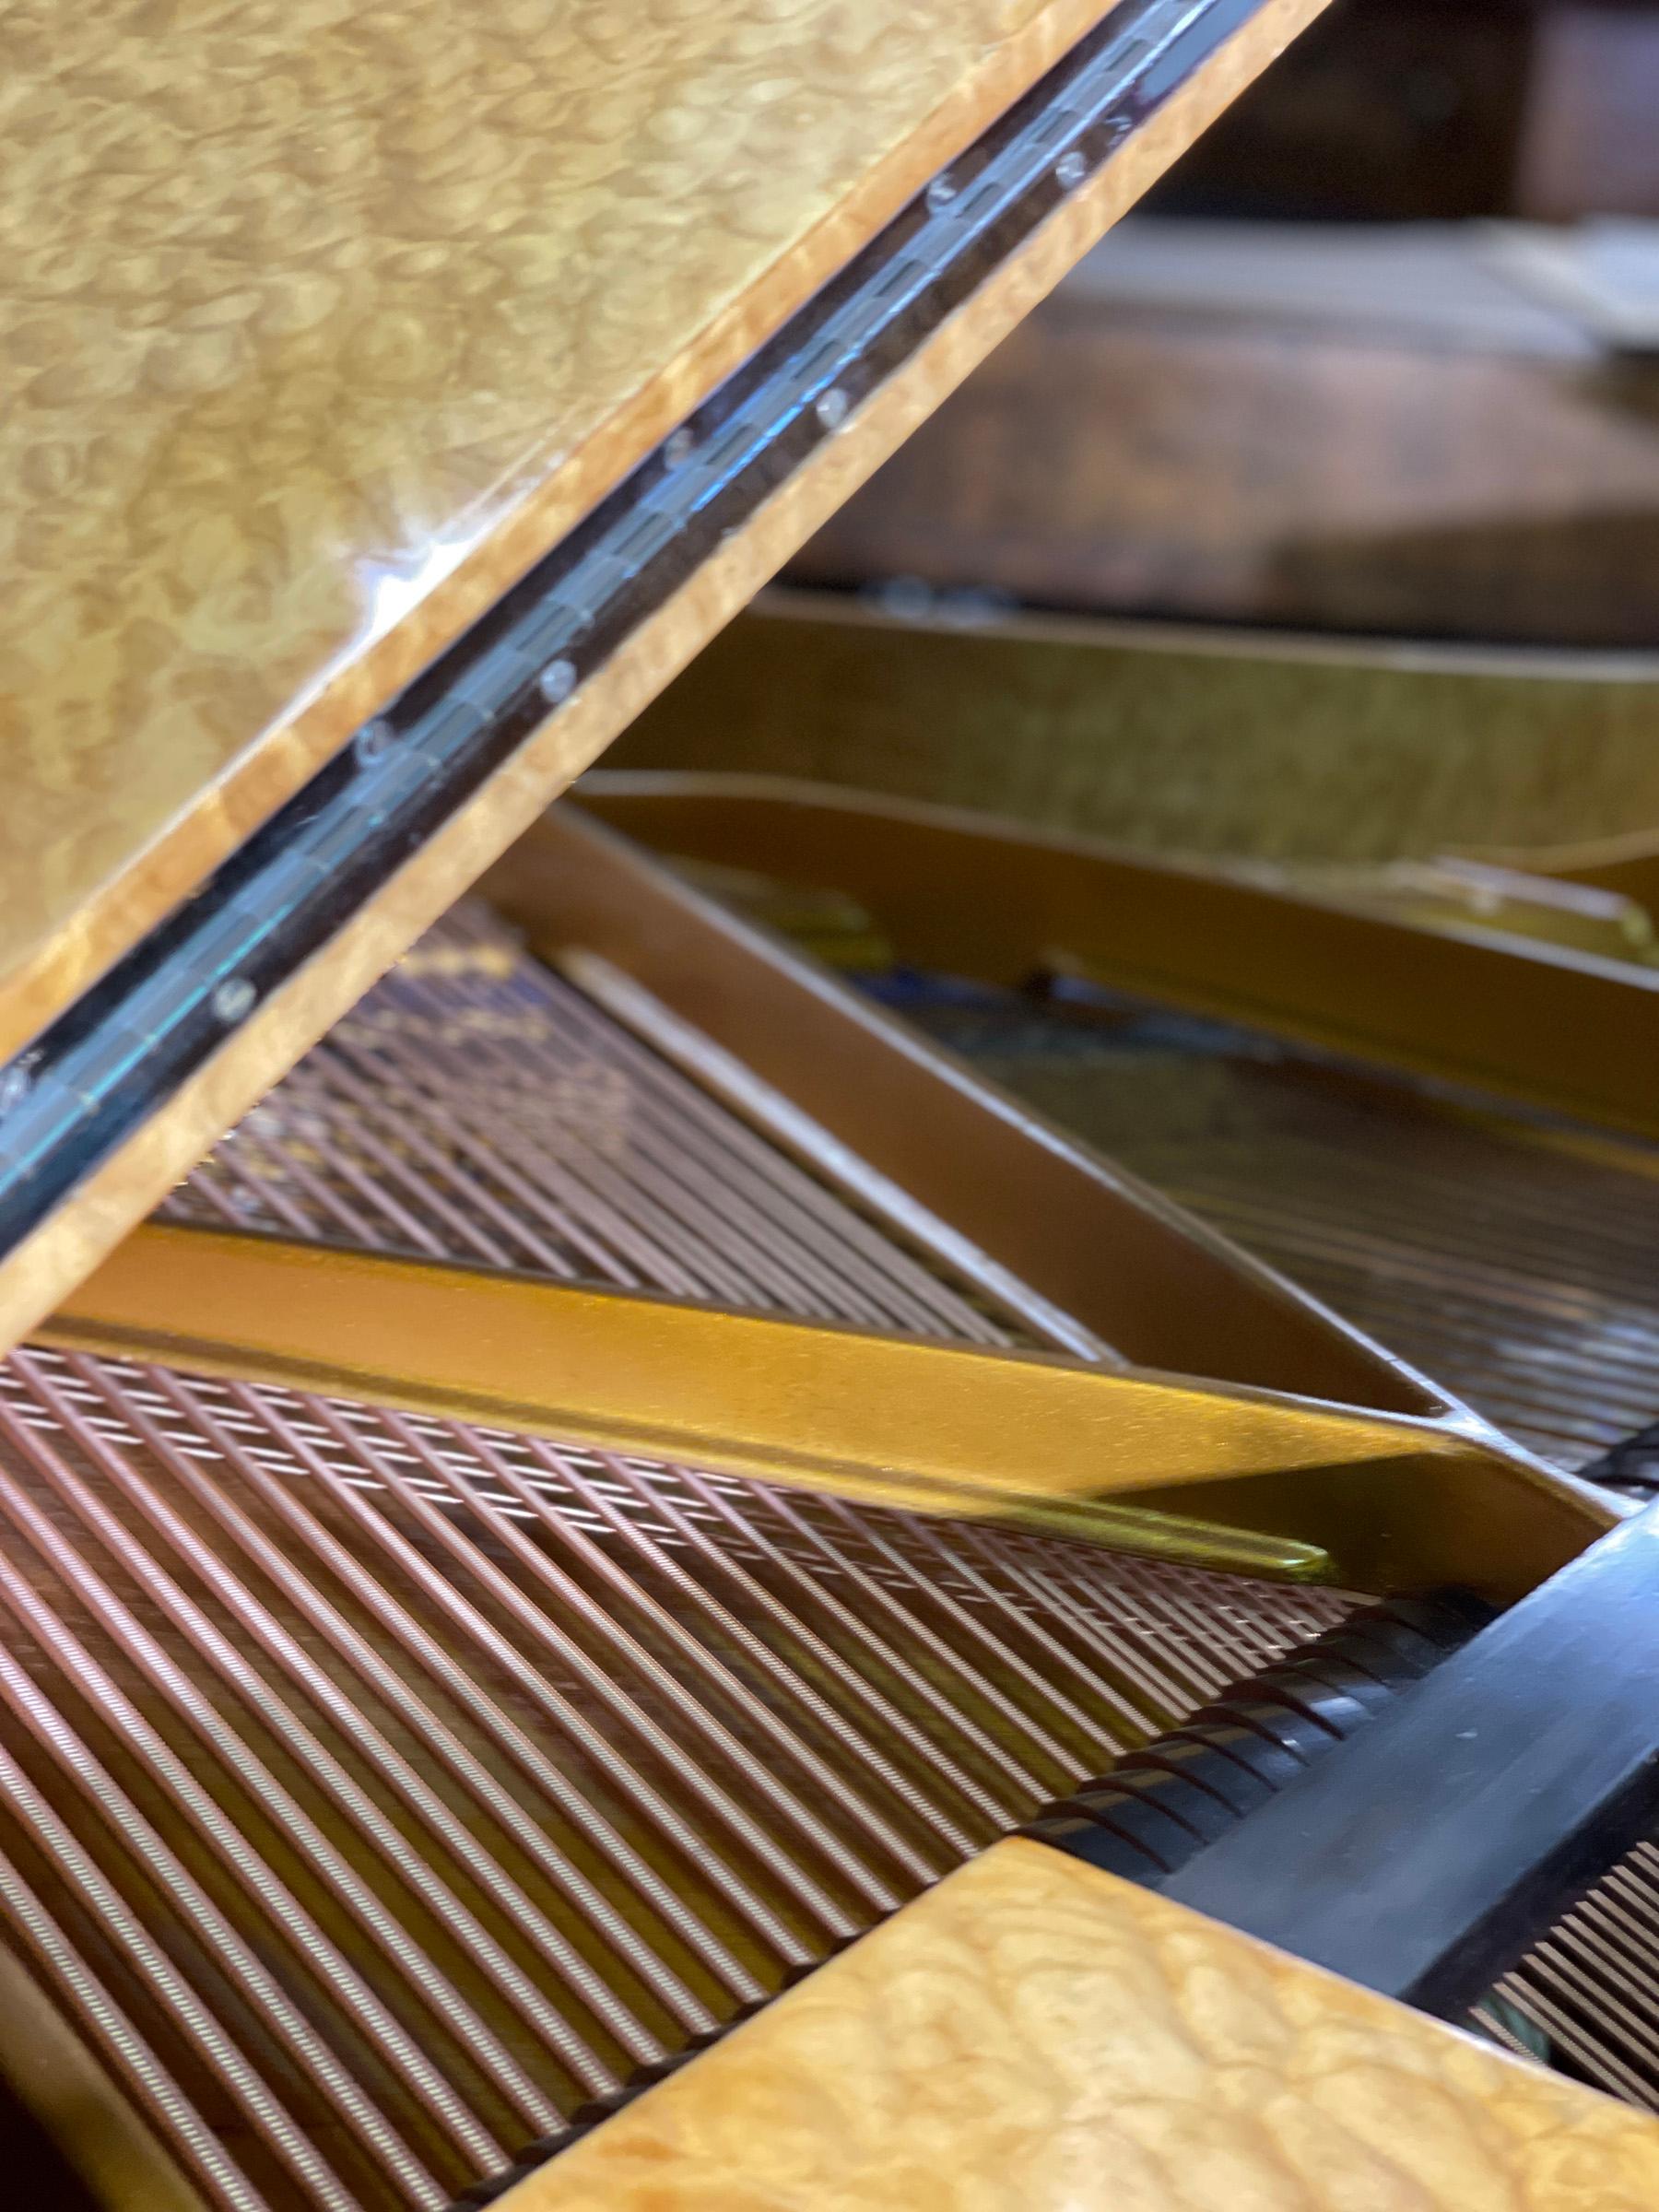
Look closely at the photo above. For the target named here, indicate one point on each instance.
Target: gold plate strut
(1252, 1481)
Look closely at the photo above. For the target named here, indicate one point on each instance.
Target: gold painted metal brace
(1213, 1475)
(866, 1102)
(1561, 1029)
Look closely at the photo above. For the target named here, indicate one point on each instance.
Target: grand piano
(624, 1582)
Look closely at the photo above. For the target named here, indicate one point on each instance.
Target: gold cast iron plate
(1217, 1477)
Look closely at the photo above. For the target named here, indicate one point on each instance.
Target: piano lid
(321, 323)
(324, 326)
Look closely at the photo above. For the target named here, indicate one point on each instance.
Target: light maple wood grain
(320, 324)
(1035, 2036)
(110, 1199)
(1170, 737)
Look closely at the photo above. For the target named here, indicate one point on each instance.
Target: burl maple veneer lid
(320, 322)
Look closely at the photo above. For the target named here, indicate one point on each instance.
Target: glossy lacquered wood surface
(1036, 2036)
(69, 1242)
(320, 322)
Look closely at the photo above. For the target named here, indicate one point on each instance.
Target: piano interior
(1000, 1237)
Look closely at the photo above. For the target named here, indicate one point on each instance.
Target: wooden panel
(1589, 146)
(42, 1266)
(1171, 738)
(322, 323)
(1395, 111)
(1033, 2033)
(1246, 468)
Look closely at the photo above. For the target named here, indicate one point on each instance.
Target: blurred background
(1381, 357)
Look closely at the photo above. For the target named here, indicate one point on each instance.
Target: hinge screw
(557, 681)
(15, 1083)
(234, 998)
